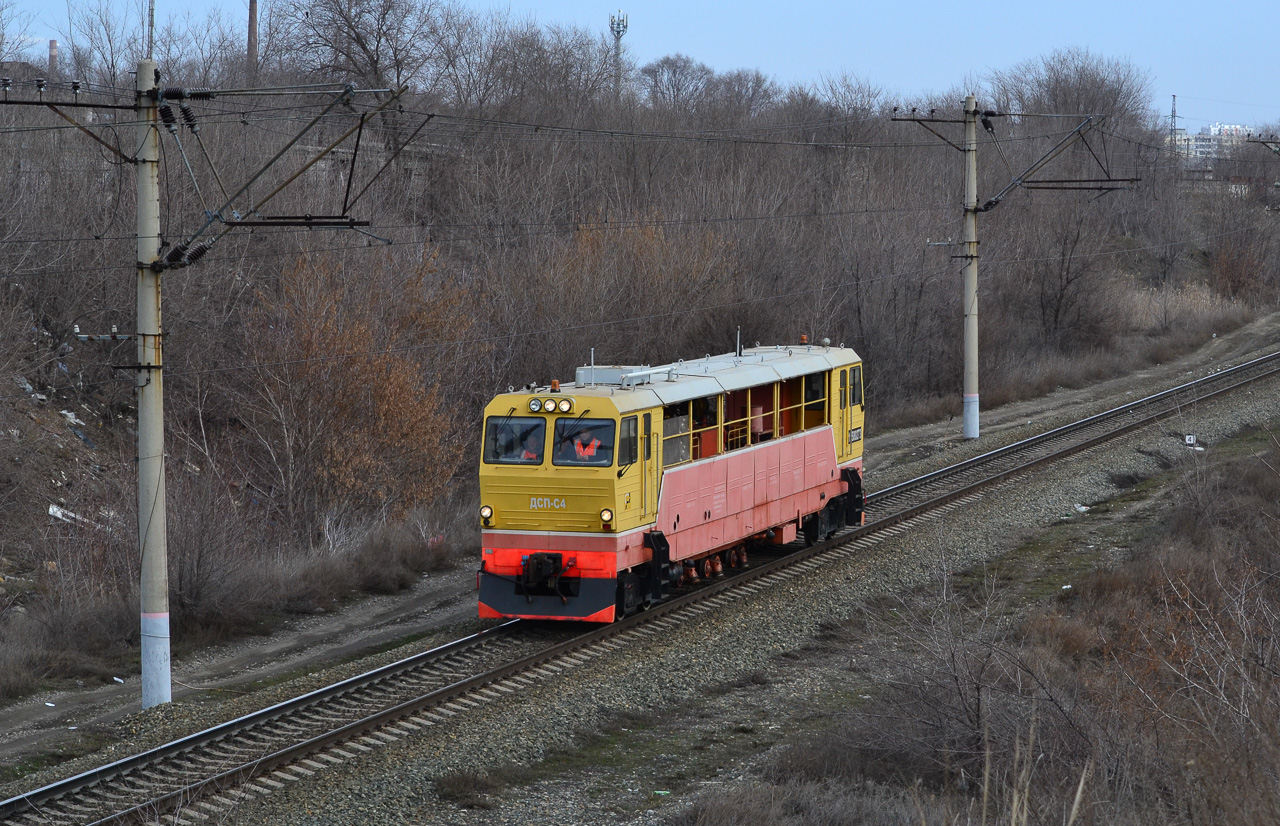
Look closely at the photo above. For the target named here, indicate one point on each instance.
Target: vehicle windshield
(583, 442)
(515, 440)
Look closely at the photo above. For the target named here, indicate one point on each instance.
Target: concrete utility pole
(253, 41)
(970, 267)
(149, 338)
(971, 210)
(156, 687)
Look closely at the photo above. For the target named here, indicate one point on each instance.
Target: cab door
(854, 414)
(840, 412)
(648, 468)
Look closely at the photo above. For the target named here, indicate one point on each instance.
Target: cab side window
(628, 443)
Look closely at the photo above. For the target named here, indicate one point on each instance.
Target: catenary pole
(251, 56)
(156, 687)
(970, 267)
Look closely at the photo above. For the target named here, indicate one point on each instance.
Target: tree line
(529, 200)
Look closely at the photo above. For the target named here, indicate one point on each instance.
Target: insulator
(188, 117)
(6, 83)
(183, 93)
(75, 87)
(175, 254)
(40, 83)
(198, 251)
(166, 115)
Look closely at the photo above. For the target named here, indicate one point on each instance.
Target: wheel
(812, 531)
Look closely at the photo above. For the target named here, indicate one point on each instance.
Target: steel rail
(1076, 426)
(268, 763)
(33, 799)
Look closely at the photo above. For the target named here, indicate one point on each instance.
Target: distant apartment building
(1210, 142)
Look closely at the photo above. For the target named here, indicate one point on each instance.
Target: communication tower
(617, 25)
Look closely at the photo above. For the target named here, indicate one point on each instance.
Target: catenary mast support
(156, 687)
(970, 267)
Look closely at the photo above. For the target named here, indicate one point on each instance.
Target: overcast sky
(1218, 58)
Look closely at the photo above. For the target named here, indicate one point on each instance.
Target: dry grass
(1161, 325)
(76, 615)
(1147, 696)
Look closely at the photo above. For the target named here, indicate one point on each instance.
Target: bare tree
(14, 26)
(199, 51)
(469, 58)
(106, 42)
(676, 82)
(377, 43)
(1075, 81)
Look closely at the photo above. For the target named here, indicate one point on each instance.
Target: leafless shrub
(911, 411)
(220, 582)
(54, 636)
(470, 790)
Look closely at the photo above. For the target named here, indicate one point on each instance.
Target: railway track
(200, 776)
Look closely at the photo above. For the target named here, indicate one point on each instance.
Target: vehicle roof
(638, 387)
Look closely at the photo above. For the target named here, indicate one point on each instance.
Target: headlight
(535, 405)
(549, 405)
(485, 511)
(565, 405)
(606, 515)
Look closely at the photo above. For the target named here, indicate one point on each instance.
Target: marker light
(565, 405)
(535, 405)
(485, 511)
(606, 515)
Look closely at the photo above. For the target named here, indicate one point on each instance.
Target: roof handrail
(639, 376)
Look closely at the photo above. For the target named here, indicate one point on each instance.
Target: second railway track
(212, 770)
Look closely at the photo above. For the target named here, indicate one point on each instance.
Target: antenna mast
(617, 25)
